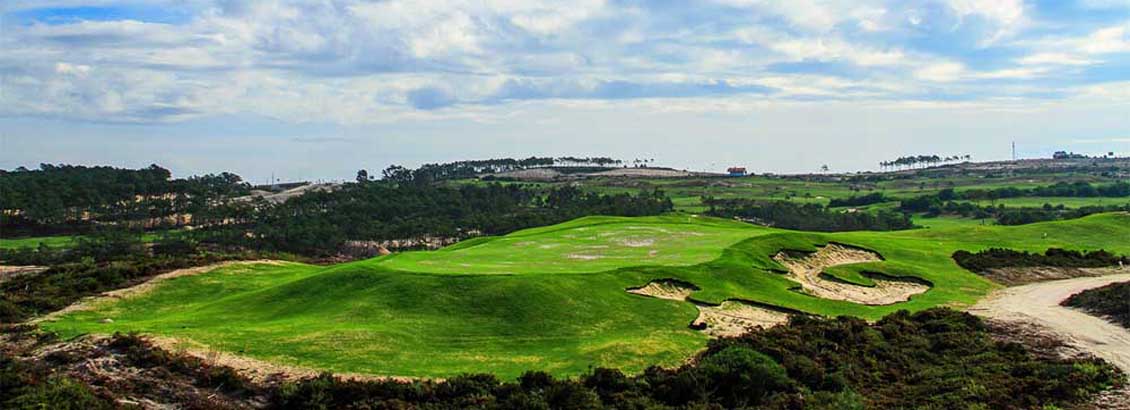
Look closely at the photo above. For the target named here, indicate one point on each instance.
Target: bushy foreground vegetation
(1053, 257)
(935, 359)
(1110, 301)
(806, 217)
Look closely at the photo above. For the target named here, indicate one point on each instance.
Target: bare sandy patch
(255, 369)
(637, 242)
(807, 271)
(9, 272)
(731, 318)
(578, 256)
(92, 302)
(665, 289)
(1022, 276)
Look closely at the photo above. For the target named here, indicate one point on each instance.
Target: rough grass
(495, 306)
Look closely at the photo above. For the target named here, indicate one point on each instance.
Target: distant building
(736, 171)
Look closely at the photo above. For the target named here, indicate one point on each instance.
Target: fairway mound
(731, 318)
(735, 317)
(90, 303)
(808, 270)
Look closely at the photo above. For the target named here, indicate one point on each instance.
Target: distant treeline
(928, 160)
(67, 198)
(1054, 257)
(1110, 301)
(949, 202)
(469, 169)
(317, 223)
(805, 217)
(903, 361)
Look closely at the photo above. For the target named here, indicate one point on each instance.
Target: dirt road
(1039, 303)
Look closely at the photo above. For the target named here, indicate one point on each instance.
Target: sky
(319, 89)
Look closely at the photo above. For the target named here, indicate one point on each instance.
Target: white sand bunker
(637, 242)
(731, 318)
(807, 271)
(665, 289)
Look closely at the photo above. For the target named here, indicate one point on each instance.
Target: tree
(362, 176)
(824, 168)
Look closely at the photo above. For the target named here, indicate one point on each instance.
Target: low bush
(1053, 257)
(935, 359)
(1110, 301)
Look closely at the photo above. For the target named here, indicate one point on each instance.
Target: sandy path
(1039, 303)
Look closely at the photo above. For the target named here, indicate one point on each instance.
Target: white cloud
(941, 72)
(1054, 59)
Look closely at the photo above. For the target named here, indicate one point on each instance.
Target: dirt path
(1039, 303)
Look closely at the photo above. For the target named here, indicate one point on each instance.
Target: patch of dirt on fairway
(1023, 276)
(255, 369)
(89, 303)
(808, 271)
(731, 318)
(637, 242)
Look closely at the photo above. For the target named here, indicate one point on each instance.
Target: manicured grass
(60, 241)
(505, 305)
(33, 242)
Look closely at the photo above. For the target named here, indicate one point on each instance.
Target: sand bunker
(807, 271)
(665, 289)
(731, 318)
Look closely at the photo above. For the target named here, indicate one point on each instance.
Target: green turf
(33, 242)
(509, 304)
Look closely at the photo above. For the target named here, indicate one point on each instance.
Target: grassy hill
(550, 298)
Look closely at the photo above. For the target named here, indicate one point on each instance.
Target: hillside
(509, 304)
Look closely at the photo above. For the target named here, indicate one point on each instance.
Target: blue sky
(319, 89)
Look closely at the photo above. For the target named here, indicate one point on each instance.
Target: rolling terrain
(556, 298)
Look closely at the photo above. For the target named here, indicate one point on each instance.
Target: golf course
(556, 298)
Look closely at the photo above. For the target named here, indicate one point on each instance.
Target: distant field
(518, 302)
(686, 193)
(59, 241)
(33, 242)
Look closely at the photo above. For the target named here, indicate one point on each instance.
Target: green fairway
(33, 242)
(527, 301)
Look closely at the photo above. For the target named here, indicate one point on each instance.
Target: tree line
(69, 198)
(472, 168)
(925, 160)
(805, 217)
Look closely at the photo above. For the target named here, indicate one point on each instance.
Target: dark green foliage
(64, 198)
(947, 202)
(869, 199)
(1110, 301)
(806, 217)
(319, 222)
(29, 387)
(1055, 257)
(935, 359)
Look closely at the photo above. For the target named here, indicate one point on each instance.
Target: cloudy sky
(319, 89)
